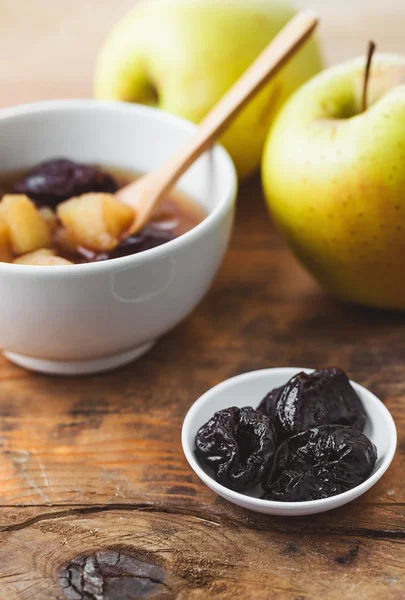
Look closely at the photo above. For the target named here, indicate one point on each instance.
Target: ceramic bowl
(250, 389)
(93, 317)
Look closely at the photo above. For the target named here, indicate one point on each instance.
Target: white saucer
(248, 390)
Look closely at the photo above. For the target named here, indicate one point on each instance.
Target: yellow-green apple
(334, 176)
(183, 55)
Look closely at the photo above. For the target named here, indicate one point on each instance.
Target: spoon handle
(269, 62)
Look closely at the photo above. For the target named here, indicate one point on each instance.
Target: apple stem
(370, 51)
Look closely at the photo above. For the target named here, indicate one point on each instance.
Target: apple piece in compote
(45, 257)
(95, 220)
(26, 228)
(6, 254)
(50, 219)
(65, 242)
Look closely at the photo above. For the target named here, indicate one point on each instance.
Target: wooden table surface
(97, 500)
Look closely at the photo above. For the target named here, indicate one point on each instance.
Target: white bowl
(93, 317)
(248, 390)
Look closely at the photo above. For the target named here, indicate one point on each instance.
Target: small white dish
(80, 319)
(248, 390)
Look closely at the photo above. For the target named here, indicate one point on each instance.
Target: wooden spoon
(145, 193)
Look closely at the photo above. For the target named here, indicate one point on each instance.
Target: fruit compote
(62, 212)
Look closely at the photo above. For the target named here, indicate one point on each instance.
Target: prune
(147, 238)
(268, 405)
(319, 463)
(51, 182)
(238, 445)
(324, 397)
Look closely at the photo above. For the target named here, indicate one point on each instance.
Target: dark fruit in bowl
(146, 239)
(268, 405)
(238, 444)
(54, 181)
(319, 463)
(314, 421)
(323, 397)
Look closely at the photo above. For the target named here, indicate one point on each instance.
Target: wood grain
(188, 556)
(96, 498)
(104, 452)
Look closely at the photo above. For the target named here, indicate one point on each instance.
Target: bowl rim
(218, 153)
(291, 507)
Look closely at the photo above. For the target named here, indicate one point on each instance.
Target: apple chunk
(44, 257)
(50, 219)
(65, 241)
(5, 245)
(95, 220)
(26, 228)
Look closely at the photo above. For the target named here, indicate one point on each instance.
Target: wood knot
(348, 558)
(113, 575)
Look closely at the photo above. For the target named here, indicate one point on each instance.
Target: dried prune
(319, 463)
(238, 445)
(268, 405)
(149, 237)
(324, 397)
(54, 181)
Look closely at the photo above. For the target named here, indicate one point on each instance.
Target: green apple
(334, 177)
(183, 55)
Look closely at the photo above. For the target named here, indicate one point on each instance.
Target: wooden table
(97, 501)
